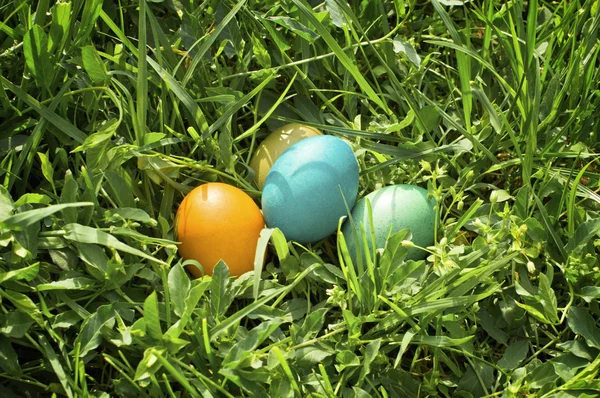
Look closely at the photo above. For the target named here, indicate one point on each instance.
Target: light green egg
(396, 207)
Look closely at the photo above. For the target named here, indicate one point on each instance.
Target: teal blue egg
(394, 208)
(305, 189)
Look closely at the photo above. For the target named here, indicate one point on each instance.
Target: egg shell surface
(302, 195)
(217, 221)
(399, 207)
(275, 145)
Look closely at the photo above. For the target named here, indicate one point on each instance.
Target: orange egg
(216, 221)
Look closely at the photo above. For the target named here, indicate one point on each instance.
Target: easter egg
(274, 145)
(394, 208)
(216, 221)
(305, 190)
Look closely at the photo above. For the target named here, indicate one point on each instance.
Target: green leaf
(481, 96)
(6, 203)
(535, 231)
(63, 377)
(47, 169)
(120, 189)
(32, 198)
(95, 140)
(24, 219)
(406, 339)
(23, 303)
(15, 141)
(276, 36)
(260, 52)
(37, 57)
(9, 361)
(233, 319)
(499, 196)
(259, 257)
(132, 214)
(90, 336)
(394, 252)
(93, 65)
(149, 365)
(583, 234)
(15, 324)
(550, 227)
(25, 244)
(59, 28)
(511, 312)
(477, 379)
(40, 12)
(589, 293)
(346, 359)
(95, 259)
(91, 12)
(69, 195)
(541, 376)
(360, 393)
(335, 13)
(371, 352)
(442, 341)
(466, 217)
(66, 319)
(312, 355)
(452, 2)
(548, 299)
(581, 322)
(195, 294)
(26, 273)
(489, 324)
(450, 302)
(401, 46)
(296, 27)
(312, 325)
(83, 234)
(75, 283)
(179, 287)
(576, 348)
(244, 348)
(535, 312)
(151, 316)
(514, 354)
(219, 300)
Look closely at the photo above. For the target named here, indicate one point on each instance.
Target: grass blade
(341, 55)
(52, 117)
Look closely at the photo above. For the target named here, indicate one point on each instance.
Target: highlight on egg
(272, 147)
(217, 221)
(305, 190)
(394, 208)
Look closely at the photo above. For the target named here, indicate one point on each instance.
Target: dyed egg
(394, 208)
(216, 221)
(274, 145)
(302, 195)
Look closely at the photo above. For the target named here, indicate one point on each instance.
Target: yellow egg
(274, 145)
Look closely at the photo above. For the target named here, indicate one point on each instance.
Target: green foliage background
(110, 111)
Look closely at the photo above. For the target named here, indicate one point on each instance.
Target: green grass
(110, 111)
